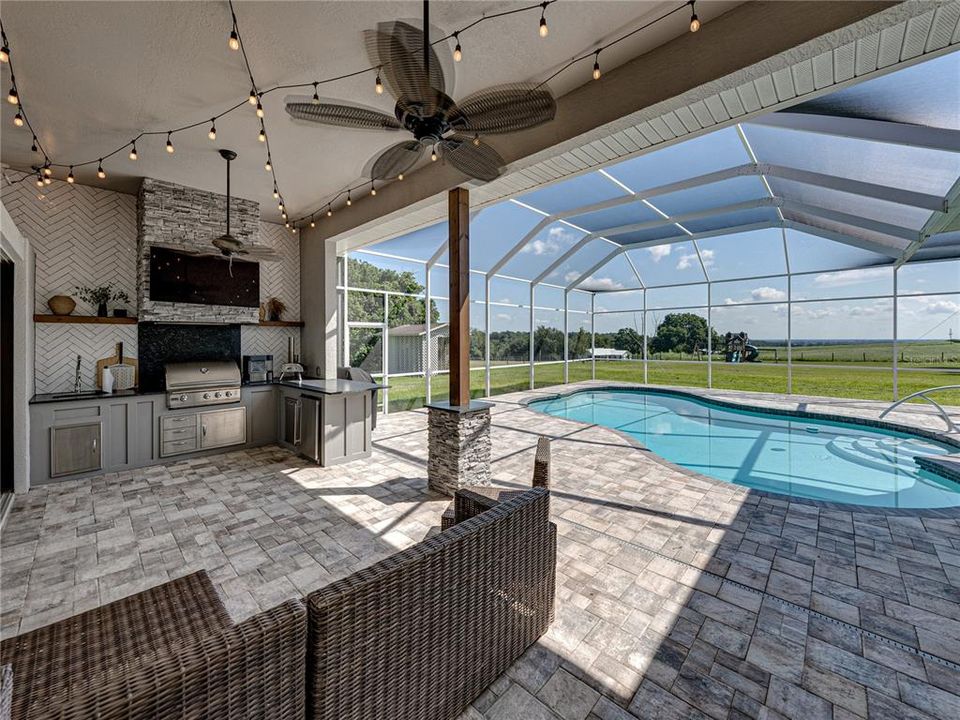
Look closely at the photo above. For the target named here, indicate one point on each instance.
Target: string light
(283, 215)
(694, 20)
(47, 181)
(133, 151)
(169, 144)
(476, 140)
(18, 119)
(253, 99)
(596, 66)
(233, 42)
(544, 30)
(262, 135)
(316, 97)
(70, 178)
(349, 200)
(433, 154)
(101, 173)
(12, 97)
(4, 53)
(39, 181)
(400, 176)
(259, 109)
(33, 148)
(457, 51)
(373, 189)
(313, 222)
(212, 134)
(268, 166)
(329, 210)
(276, 193)
(379, 86)
(280, 206)
(47, 170)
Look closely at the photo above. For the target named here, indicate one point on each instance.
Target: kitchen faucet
(77, 387)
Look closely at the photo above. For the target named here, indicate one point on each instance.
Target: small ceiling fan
(414, 76)
(230, 246)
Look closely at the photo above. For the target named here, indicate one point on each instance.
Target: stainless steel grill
(197, 384)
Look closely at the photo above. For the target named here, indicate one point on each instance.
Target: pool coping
(950, 472)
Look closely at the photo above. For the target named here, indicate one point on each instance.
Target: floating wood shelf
(82, 319)
(281, 323)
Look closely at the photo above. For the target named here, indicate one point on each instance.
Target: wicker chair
(422, 633)
(541, 478)
(171, 651)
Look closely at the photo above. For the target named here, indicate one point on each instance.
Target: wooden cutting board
(116, 359)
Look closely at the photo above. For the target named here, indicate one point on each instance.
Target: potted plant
(100, 296)
(275, 308)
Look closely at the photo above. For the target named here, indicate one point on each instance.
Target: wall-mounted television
(203, 279)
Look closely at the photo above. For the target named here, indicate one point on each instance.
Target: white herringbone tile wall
(256, 340)
(57, 347)
(281, 279)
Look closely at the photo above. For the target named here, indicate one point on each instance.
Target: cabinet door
(223, 427)
(262, 406)
(75, 448)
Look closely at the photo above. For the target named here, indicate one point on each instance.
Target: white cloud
(767, 293)
(600, 284)
(658, 252)
(686, 261)
(556, 239)
(503, 316)
(844, 278)
(571, 276)
(690, 260)
(707, 257)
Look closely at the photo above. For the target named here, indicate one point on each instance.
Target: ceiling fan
(230, 246)
(414, 76)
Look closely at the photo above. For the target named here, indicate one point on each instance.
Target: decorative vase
(274, 316)
(102, 310)
(61, 304)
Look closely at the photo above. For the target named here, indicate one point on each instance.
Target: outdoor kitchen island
(328, 421)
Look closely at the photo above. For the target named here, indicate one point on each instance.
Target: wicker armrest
(250, 670)
(113, 638)
(423, 632)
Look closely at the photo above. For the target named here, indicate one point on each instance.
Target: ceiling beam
(892, 231)
(862, 129)
(828, 234)
(937, 223)
(685, 217)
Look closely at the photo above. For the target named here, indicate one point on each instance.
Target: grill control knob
(228, 393)
(183, 398)
(216, 395)
(206, 396)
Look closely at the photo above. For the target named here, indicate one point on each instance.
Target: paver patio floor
(678, 596)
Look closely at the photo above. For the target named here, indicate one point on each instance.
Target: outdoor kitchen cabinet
(221, 428)
(261, 404)
(76, 448)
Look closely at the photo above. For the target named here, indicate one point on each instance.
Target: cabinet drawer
(174, 447)
(180, 433)
(168, 422)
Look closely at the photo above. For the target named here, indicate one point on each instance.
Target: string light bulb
(329, 211)
(133, 151)
(476, 140)
(268, 166)
(70, 178)
(596, 66)
(283, 215)
(212, 134)
(47, 181)
(316, 97)
(169, 144)
(39, 181)
(379, 85)
(349, 199)
(313, 222)
(18, 119)
(433, 154)
(276, 193)
(373, 189)
(457, 51)
(4, 54)
(694, 20)
(400, 176)
(253, 96)
(33, 147)
(101, 173)
(233, 42)
(544, 30)
(12, 97)
(259, 109)
(262, 135)
(47, 171)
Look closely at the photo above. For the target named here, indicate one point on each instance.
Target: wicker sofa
(416, 636)
(171, 651)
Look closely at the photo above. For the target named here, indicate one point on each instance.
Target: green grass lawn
(842, 380)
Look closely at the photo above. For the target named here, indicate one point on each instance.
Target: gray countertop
(331, 387)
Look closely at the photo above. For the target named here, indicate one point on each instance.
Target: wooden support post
(459, 247)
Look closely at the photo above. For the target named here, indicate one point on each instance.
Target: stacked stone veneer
(184, 218)
(459, 449)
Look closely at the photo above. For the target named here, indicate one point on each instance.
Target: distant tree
(368, 307)
(580, 344)
(682, 332)
(630, 340)
(547, 343)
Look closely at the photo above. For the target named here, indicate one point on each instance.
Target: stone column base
(459, 446)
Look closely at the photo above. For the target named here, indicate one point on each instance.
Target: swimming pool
(780, 453)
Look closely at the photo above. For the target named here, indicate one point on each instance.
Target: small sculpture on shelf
(100, 296)
(61, 304)
(275, 308)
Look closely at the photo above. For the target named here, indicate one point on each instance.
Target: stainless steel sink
(85, 393)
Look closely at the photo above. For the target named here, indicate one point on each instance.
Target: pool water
(817, 459)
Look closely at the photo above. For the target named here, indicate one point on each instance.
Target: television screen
(203, 279)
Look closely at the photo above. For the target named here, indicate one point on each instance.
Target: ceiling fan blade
(473, 157)
(504, 109)
(396, 159)
(341, 115)
(397, 49)
(260, 252)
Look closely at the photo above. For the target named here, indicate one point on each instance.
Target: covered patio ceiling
(866, 176)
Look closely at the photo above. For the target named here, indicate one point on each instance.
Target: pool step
(870, 458)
